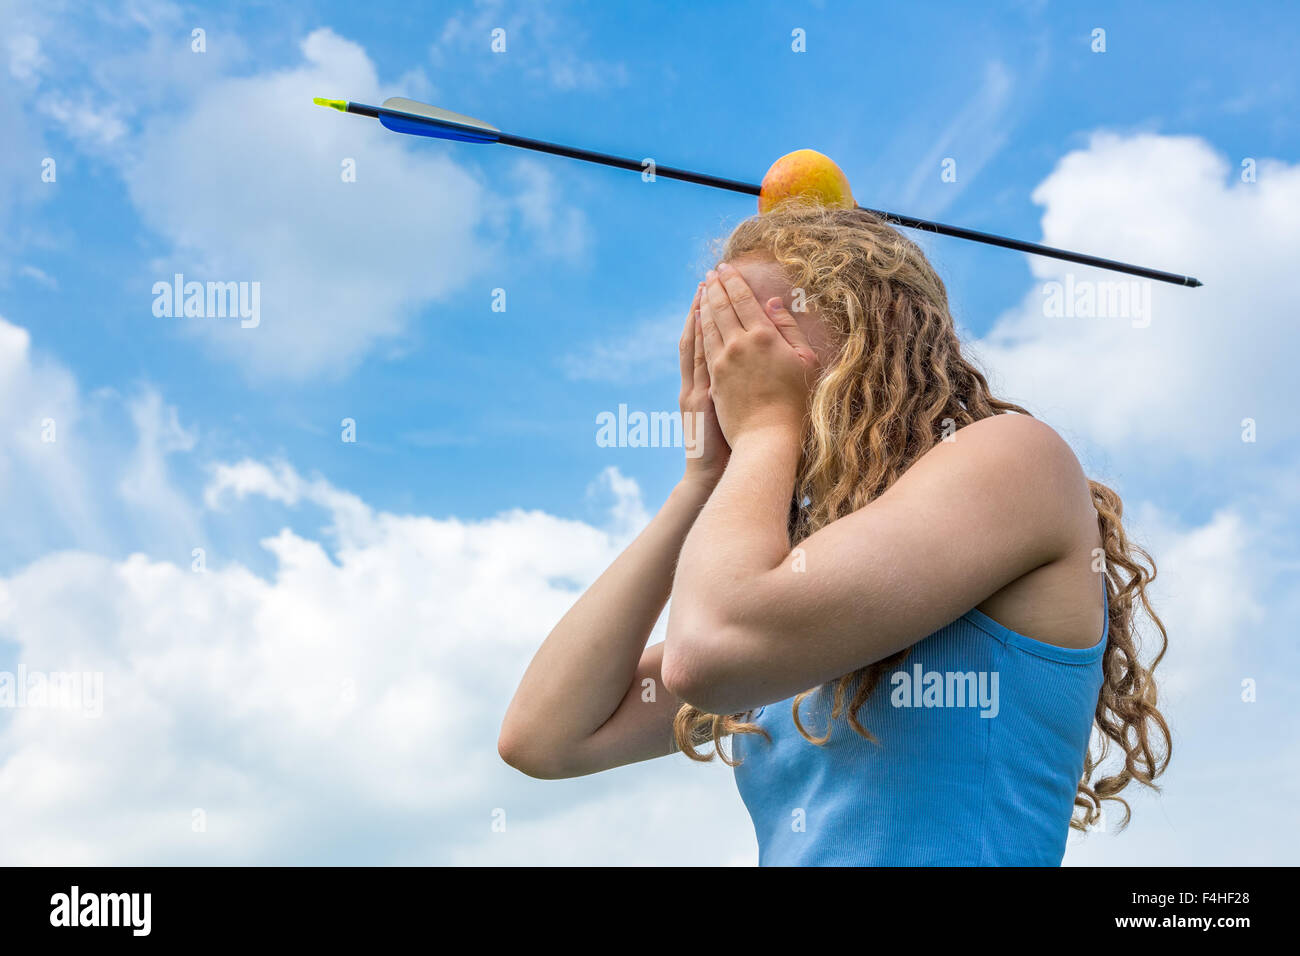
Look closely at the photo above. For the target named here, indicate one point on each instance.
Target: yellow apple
(805, 172)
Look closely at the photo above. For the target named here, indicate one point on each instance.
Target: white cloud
(146, 482)
(543, 213)
(1207, 592)
(42, 462)
(25, 57)
(646, 352)
(21, 166)
(366, 682)
(342, 708)
(83, 119)
(91, 472)
(243, 178)
(39, 276)
(1210, 357)
(971, 138)
(247, 185)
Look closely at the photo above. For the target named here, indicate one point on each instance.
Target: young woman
(897, 596)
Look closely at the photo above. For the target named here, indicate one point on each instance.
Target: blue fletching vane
(420, 119)
(419, 126)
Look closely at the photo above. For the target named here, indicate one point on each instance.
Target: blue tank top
(982, 734)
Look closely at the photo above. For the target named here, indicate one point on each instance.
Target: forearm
(741, 535)
(583, 670)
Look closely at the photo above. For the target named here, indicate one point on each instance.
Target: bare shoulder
(1027, 440)
(1032, 473)
(1010, 446)
(1017, 473)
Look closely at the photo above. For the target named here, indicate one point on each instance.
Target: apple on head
(805, 172)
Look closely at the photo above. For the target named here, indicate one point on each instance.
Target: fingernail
(710, 276)
(723, 267)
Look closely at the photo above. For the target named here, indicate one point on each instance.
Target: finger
(709, 329)
(741, 297)
(701, 364)
(786, 324)
(689, 343)
(724, 316)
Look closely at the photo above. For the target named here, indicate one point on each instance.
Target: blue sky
(477, 428)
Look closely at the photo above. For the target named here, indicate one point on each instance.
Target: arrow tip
(340, 105)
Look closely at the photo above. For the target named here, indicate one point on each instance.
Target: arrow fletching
(420, 119)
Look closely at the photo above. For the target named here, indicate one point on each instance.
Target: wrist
(784, 439)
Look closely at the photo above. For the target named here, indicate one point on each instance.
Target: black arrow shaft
(988, 238)
(909, 222)
(750, 189)
(621, 162)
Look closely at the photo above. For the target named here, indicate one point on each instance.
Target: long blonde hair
(899, 383)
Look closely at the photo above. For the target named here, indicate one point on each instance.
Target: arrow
(420, 119)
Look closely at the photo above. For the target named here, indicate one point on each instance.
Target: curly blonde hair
(899, 383)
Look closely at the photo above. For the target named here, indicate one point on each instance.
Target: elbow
(718, 648)
(528, 758)
(685, 656)
(678, 677)
(695, 669)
